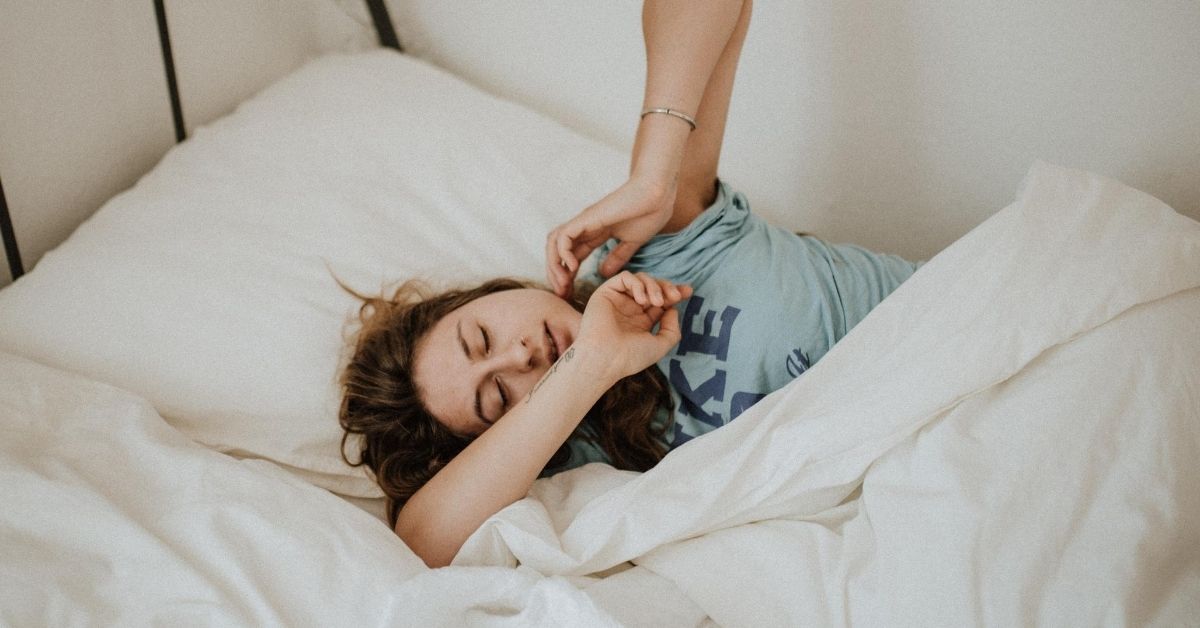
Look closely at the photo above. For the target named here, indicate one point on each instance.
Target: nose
(519, 356)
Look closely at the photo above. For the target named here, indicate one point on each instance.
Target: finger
(569, 254)
(550, 250)
(674, 293)
(618, 257)
(653, 289)
(566, 283)
(617, 282)
(559, 279)
(581, 250)
(668, 329)
(638, 290)
(626, 283)
(554, 275)
(564, 242)
(654, 313)
(685, 291)
(553, 278)
(584, 245)
(670, 294)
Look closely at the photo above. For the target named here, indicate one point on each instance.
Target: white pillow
(205, 288)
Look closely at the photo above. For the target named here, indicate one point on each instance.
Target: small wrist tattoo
(566, 357)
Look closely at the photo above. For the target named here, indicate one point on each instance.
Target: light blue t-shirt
(766, 305)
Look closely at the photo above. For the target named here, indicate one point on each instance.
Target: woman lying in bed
(464, 398)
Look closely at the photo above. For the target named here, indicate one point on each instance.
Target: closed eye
(503, 395)
(487, 342)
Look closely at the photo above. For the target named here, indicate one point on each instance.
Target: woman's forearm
(685, 43)
(498, 468)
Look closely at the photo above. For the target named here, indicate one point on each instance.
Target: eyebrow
(467, 352)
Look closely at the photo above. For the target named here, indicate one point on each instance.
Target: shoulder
(710, 234)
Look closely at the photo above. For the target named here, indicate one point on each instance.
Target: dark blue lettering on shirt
(701, 334)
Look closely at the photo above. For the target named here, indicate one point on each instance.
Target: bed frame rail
(10, 238)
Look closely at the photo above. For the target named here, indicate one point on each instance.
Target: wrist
(658, 148)
(596, 361)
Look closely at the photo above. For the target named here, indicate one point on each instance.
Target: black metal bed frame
(383, 29)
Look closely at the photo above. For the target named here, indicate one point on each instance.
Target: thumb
(668, 329)
(618, 257)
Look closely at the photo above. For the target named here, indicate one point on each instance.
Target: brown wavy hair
(404, 445)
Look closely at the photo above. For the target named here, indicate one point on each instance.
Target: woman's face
(484, 357)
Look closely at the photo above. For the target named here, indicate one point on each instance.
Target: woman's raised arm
(499, 466)
(692, 50)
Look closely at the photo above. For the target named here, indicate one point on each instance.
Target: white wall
(897, 125)
(84, 108)
(227, 50)
(83, 111)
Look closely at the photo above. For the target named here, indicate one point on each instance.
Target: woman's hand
(633, 213)
(622, 312)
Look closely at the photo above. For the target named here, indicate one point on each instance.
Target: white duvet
(1012, 438)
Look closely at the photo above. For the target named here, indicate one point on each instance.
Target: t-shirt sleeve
(583, 450)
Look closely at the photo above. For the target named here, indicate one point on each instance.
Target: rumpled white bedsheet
(111, 517)
(1012, 438)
